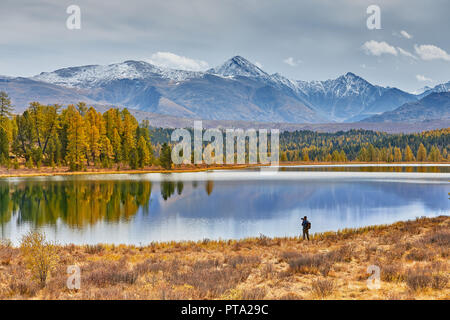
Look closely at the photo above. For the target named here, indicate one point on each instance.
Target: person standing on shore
(306, 226)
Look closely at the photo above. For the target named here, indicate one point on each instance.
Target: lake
(221, 204)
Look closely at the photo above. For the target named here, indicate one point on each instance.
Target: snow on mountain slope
(235, 86)
(349, 96)
(92, 75)
(238, 66)
(443, 87)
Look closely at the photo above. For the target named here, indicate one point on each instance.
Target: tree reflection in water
(77, 203)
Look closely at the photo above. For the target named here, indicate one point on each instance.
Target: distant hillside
(435, 106)
(22, 91)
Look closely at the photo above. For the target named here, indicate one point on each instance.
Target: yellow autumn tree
(422, 153)
(77, 142)
(408, 155)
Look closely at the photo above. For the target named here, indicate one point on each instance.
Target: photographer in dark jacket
(306, 226)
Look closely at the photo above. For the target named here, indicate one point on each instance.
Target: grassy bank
(413, 257)
(49, 171)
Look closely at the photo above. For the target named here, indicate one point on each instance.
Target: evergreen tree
(166, 156)
(6, 107)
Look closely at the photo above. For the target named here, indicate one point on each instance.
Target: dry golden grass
(413, 257)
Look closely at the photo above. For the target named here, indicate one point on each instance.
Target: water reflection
(76, 202)
(144, 208)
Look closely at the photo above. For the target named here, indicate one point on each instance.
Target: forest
(78, 137)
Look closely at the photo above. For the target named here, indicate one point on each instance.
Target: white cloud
(406, 53)
(405, 34)
(173, 61)
(422, 78)
(431, 52)
(378, 48)
(292, 62)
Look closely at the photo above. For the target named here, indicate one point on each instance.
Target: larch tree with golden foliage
(408, 155)
(422, 153)
(77, 142)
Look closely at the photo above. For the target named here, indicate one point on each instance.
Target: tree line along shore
(78, 138)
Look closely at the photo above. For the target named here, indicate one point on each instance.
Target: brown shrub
(391, 273)
(419, 255)
(257, 293)
(291, 296)
(234, 261)
(322, 288)
(210, 283)
(6, 255)
(24, 287)
(440, 238)
(320, 262)
(109, 273)
(417, 279)
(308, 263)
(263, 240)
(93, 249)
(439, 281)
(268, 270)
(153, 265)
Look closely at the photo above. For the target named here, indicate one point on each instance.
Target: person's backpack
(308, 226)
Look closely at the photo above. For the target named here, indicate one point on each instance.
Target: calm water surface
(141, 208)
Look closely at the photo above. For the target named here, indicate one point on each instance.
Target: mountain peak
(351, 76)
(238, 66)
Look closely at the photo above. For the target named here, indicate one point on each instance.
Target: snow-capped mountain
(235, 90)
(443, 87)
(238, 66)
(93, 75)
(350, 97)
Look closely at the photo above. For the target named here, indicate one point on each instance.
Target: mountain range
(235, 90)
(433, 106)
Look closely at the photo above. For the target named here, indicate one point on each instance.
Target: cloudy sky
(304, 40)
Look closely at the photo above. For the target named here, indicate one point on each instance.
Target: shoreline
(48, 171)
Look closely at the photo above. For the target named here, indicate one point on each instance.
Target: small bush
(254, 294)
(268, 270)
(439, 281)
(320, 262)
(419, 255)
(290, 296)
(308, 263)
(110, 273)
(234, 261)
(391, 273)
(6, 255)
(263, 240)
(40, 255)
(94, 249)
(23, 287)
(418, 279)
(439, 238)
(322, 288)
